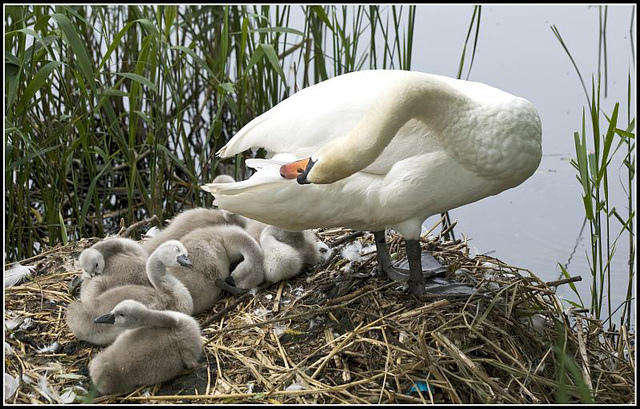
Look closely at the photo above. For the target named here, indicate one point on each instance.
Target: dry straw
(343, 334)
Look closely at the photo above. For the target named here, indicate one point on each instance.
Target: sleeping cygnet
(186, 222)
(287, 252)
(213, 250)
(154, 347)
(167, 293)
(112, 262)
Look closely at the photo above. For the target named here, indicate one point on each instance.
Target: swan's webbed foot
(431, 267)
(422, 266)
(230, 285)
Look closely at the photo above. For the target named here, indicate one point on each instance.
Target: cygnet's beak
(184, 261)
(297, 170)
(105, 319)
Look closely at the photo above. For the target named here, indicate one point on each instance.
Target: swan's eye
(299, 170)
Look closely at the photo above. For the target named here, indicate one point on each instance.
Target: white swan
(382, 148)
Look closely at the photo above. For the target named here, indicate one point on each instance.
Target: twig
(564, 281)
(347, 237)
(447, 230)
(135, 225)
(231, 306)
(298, 316)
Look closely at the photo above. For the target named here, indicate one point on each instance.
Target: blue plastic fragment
(421, 386)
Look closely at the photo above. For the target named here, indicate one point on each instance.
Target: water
(537, 224)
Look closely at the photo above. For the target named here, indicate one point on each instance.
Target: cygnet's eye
(120, 314)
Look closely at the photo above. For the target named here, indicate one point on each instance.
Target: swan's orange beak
(297, 170)
(294, 169)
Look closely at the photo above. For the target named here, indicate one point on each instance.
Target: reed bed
(117, 111)
(341, 333)
(598, 156)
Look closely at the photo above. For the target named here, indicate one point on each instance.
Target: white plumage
(391, 149)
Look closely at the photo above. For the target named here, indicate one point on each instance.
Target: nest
(342, 333)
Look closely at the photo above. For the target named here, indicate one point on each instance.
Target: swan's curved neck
(489, 132)
(413, 97)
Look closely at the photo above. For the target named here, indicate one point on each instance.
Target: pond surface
(537, 224)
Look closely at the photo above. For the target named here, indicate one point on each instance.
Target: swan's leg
(414, 254)
(384, 259)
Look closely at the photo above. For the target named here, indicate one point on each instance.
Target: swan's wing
(307, 120)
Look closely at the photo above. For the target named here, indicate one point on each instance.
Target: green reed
(116, 112)
(596, 157)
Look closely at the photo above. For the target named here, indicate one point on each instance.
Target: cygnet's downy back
(213, 251)
(287, 252)
(154, 347)
(110, 263)
(185, 223)
(167, 293)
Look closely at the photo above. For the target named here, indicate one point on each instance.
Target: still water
(537, 224)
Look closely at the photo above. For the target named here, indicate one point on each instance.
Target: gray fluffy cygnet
(110, 263)
(213, 251)
(287, 252)
(167, 293)
(186, 222)
(154, 347)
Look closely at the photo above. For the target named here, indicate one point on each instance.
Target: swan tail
(268, 173)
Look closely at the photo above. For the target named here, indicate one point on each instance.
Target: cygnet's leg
(384, 259)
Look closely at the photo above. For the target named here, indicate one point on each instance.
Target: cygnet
(287, 252)
(154, 347)
(112, 262)
(186, 222)
(167, 293)
(213, 251)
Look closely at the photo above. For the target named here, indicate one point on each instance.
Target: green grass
(117, 111)
(597, 147)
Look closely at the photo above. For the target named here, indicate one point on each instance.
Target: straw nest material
(342, 333)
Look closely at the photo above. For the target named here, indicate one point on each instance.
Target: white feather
(16, 274)
(10, 386)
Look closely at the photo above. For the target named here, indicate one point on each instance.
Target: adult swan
(375, 149)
